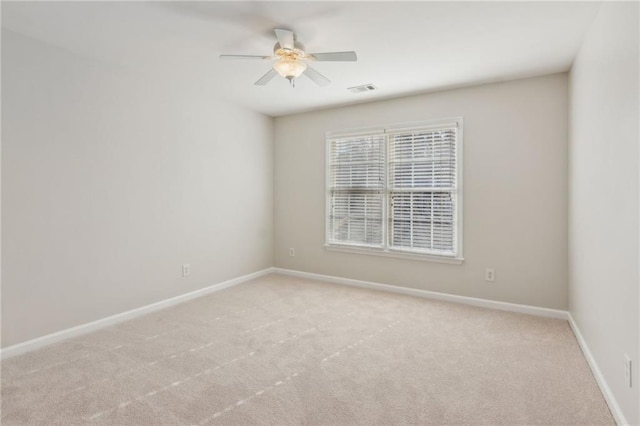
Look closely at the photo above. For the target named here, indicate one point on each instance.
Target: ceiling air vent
(363, 88)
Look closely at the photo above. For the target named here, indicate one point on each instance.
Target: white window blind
(396, 190)
(422, 186)
(356, 182)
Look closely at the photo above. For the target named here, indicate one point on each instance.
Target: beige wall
(515, 191)
(111, 180)
(603, 208)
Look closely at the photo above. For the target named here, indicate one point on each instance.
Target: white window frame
(457, 258)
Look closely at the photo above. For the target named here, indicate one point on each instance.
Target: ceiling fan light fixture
(290, 55)
(290, 68)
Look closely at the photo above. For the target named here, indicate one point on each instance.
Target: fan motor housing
(297, 51)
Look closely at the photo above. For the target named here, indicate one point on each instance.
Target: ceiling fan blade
(334, 56)
(285, 38)
(266, 78)
(316, 77)
(244, 57)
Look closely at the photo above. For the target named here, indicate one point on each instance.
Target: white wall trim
(617, 413)
(59, 336)
(79, 330)
(395, 254)
(485, 303)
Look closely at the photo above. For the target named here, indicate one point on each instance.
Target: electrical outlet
(292, 252)
(186, 270)
(490, 274)
(627, 370)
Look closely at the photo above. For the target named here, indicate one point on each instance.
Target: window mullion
(431, 201)
(386, 223)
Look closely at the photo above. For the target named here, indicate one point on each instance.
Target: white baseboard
(485, 303)
(59, 336)
(602, 383)
(491, 304)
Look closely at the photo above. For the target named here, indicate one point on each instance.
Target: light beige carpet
(281, 350)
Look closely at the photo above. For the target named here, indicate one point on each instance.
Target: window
(396, 191)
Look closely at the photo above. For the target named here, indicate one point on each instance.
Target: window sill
(394, 254)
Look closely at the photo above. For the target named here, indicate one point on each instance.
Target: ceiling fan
(290, 57)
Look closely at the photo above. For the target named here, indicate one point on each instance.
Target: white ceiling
(403, 47)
